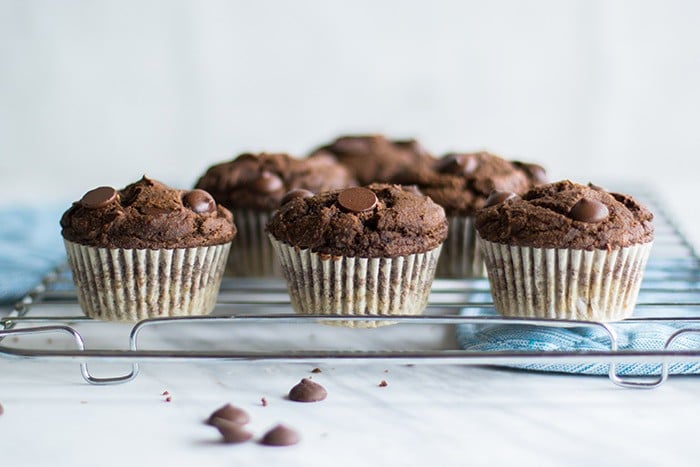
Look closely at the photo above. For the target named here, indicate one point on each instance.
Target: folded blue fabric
(630, 336)
(30, 246)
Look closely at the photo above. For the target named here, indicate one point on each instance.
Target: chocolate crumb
(165, 393)
(307, 391)
(280, 436)
(168, 399)
(383, 383)
(263, 401)
(316, 370)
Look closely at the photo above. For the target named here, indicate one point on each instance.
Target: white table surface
(439, 415)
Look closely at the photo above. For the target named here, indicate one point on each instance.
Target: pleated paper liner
(118, 284)
(597, 285)
(251, 253)
(353, 286)
(461, 256)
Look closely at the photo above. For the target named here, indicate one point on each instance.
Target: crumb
(83, 402)
(168, 399)
(263, 401)
(316, 370)
(383, 383)
(165, 393)
(386, 371)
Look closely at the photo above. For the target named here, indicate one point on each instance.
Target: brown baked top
(259, 181)
(374, 158)
(147, 214)
(461, 182)
(371, 222)
(566, 215)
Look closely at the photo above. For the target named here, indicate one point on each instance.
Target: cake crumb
(383, 383)
(263, 401)
(316, 370)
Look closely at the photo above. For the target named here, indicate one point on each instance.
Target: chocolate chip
(294, 194)
(498, 197)
(199, 201)
(534, 172)
(590, 211)
(229, 413)
(458, 164)
(357, 199)
(267, 182)
(280, 436)
(307, 391)
(99, 197)
(233, 433)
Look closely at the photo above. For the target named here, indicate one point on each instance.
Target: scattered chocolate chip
(263, 401)
(307, 391)
(534, 172)
(294, 194)
(590, 211)
(199, 201)
(280, 436)
(99, 197)
(498, 197)
(383, 384)
(458, 164)
(316, 370)
(233, 433)
(357, 199)
(267, 182)
(230, 413)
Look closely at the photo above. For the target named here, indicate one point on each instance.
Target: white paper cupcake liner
(251, 253)
(598, 285)
(461, 256)
(119, 284)
(352, 286)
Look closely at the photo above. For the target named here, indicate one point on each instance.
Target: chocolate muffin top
(374, 158)
(259, 182)
(147, 214)
(461, 182)
(565, 215)
(369, 222)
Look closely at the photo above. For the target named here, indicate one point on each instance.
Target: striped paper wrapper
(251, 253)
(118, 284)
(353, 286)
(597, 285)
(461, 256)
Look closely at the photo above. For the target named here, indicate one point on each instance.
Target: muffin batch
(357, 229)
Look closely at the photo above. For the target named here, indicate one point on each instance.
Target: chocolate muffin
(461, 183)
(374, 158)
(252, 186)
(565, 251)
(360, 251)
(147, 250)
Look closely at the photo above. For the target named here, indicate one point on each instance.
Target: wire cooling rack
(253, 322)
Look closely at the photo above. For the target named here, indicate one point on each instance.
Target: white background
(96, 93)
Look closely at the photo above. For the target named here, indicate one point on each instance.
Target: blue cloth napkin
(630, 336)
(30, 246)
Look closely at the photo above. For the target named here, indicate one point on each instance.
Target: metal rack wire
(670, 292)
